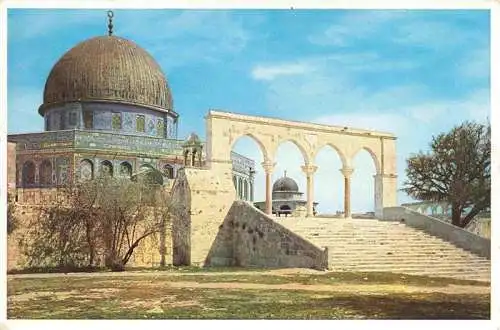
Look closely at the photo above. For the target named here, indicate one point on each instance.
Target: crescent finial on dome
(110, 22)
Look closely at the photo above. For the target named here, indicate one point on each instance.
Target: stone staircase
(370, 245)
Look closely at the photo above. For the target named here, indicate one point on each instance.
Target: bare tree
(105, 217)
(456, 171)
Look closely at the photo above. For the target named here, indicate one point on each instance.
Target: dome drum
(111, 117)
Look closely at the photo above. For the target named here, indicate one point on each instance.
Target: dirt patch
(293, 271)
(355, 289)
(61, 295)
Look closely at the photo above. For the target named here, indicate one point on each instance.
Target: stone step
(373, 245)
(393, 235)
(413, 258)
(417, 265)
(395, 255)
(377, 239)
(391, 254)
(396, 246)
(394, 259)
(406, 268)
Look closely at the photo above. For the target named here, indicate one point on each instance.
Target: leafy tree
(98, 221)
(456, 171)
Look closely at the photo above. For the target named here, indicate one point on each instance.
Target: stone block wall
(147, 254)
(201, 200)
(210, 228)
(444, 230)
(11, 165)
(250, 238)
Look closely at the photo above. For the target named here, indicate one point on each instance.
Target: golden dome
(107, 68)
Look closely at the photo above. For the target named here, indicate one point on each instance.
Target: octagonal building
(286, 198)
(108, 110)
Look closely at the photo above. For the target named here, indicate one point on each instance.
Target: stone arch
(126, 169)
(149, 174)
(262, 147)
(106, 168)
(372, 154)
(303, 151)
(285, 209)
(86, 170)
(29, 173)
(46, 172)
(168, 171)
(343, 158)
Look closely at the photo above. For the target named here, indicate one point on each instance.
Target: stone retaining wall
(250, 238)
(446, 231)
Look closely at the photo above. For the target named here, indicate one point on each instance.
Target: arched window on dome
(62, 121)
(46, 172)
(116, 121)
(88, 119)
(160, 127)
(73, 119)
(141, 123)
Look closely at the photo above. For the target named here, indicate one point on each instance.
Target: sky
(413, 73)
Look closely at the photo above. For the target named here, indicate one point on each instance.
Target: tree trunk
(132, 247)
(162, 243)
(456, 215)
(469, 217)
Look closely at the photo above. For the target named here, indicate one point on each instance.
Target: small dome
(192, 140)
(107, 68)
(285, 184)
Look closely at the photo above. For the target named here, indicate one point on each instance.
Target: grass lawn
(250, 295)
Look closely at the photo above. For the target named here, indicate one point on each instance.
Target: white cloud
(334, 94)
(384, 122)
(355, 26)
(270, 72)
(173, 37)
(429, 34)
(474, 106)
(397, 27)
(213, 35)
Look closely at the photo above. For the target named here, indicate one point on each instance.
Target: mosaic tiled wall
(44, 170)
(111, 117)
